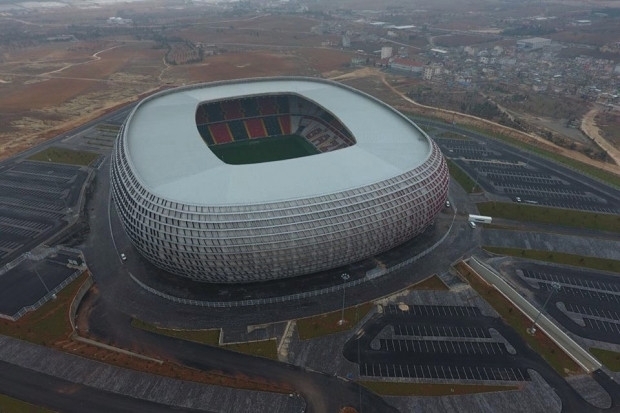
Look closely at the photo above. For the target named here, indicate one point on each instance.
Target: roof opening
(266, 128)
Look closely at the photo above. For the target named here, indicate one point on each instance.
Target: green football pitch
(274, 148)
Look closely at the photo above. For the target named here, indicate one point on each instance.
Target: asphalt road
(64, 396)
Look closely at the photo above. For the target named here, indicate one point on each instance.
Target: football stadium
(263, 179)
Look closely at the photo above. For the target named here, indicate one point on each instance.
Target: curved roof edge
(161, 130)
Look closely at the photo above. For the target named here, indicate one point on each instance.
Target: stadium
(263, 179)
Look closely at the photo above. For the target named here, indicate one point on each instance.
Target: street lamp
(43, 282)
(555, 287)
(345, 276)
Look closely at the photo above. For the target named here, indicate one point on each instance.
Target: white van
(472, 224)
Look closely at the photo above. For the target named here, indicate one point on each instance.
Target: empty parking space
(35, 198)
(433, 310)
(599, 312)
(434, 342)
(420, 330)
(449, 372)
(499, 170)
(442, 347)
(587, 295)
(606, 326)
(574, 281)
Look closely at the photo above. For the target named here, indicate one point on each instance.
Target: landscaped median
(211, 337)
(610, 359)
(603, 264)
(330, 323)
(64, 155)
(11, 405)
(385, 388)
(539, 341)
(552, 216)
(459, 175)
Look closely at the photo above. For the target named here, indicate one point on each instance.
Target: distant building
(533, 43)
(431, 70)
(386, 52)
(346, 41)
(119, 20)
(406, 65)
(439, 52)
(358, 61)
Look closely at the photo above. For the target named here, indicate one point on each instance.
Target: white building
(386, 52)
(533, 43)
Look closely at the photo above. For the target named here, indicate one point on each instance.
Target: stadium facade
(372, 181)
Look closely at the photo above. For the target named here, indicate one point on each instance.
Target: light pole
(43, 282)
(555, 287)
(345, 276)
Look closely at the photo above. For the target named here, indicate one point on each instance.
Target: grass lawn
(324, 324)
(611, 359)
(67, 156)
(209, 337)
(11, 405)
(262, 348)
(431, 283)
(468, 184)
(48, 324)
(540, 342)
(595, 263)
(430, 389)
(274, 148)
(554, 216)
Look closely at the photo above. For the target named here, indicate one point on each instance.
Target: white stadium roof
(171, 159)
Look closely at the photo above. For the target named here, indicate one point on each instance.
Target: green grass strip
(11, 405)
(553, 216)
(430, 389)
(66, 156)
(262, 348)
(588, 169)
(325, 324)
(594, 263)
(541, 343)
(468, 184)
(611, 359)
(209, 337)
(431, 283)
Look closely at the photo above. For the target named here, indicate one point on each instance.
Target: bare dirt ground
(381, 85)
(590, 128)
(49, 88)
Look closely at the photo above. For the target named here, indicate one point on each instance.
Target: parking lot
(35, 277)
(35, 201)
(443, 372)
(587, 302)
(434, 342)
(500, 171)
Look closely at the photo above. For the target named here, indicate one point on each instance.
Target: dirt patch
(239, 65)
